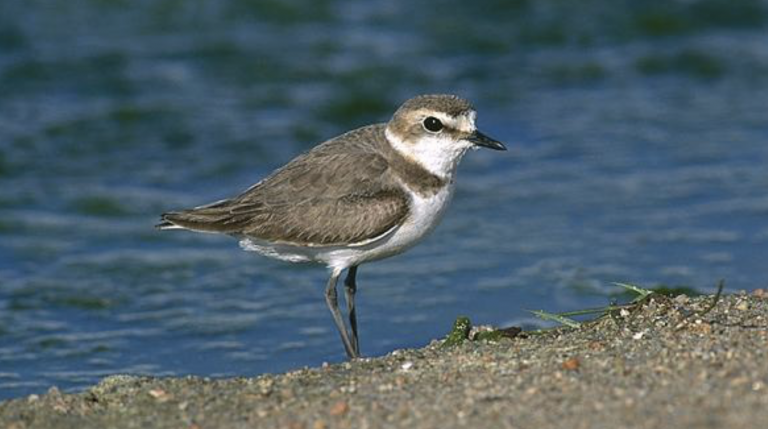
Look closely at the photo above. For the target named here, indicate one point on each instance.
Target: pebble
(160, 395)
(572, 364)
(339, 409)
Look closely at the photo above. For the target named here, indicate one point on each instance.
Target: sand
(665, 364)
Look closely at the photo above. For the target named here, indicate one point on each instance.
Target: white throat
(437, 154)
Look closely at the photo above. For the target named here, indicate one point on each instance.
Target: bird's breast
(425, 212)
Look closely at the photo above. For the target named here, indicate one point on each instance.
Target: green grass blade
(642, 293)
(596, 310)
(556, 318)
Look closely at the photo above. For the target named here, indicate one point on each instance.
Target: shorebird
(368, 194)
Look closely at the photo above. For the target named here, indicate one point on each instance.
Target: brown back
(346, 190)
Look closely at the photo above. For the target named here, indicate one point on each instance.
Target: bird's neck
(415, 175)
(440, 157)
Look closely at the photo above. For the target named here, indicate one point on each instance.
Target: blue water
(638, 140)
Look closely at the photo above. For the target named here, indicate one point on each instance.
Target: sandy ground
(662, 365)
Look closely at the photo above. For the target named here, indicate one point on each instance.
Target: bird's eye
(433, 124)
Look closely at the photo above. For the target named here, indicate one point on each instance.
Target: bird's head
(436, 130)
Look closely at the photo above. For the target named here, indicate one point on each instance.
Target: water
(638, 142)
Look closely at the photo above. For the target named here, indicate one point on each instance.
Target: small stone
(760, 293)
(400, 381)
(702, 327)
(596, 346)
(739, 381)
(159, 394)
(266, 386)
(638, 335)
(33, 398)
(571, 364)
(339, 409)
(406, 366)
(742, 306)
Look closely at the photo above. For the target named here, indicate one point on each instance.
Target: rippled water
(638, 143)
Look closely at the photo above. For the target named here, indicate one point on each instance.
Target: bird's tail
(215, 217)
(167, 224)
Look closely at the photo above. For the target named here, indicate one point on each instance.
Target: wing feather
(322, 198)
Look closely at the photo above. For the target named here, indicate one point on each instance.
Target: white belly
(425, 214)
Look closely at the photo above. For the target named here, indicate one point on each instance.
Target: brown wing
(321, 198)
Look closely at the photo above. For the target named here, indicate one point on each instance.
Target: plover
(365, 195)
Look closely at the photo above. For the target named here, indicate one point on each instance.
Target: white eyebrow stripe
(464, 123)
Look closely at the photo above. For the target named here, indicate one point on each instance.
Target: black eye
(433, 124)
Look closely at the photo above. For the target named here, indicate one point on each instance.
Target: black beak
(481, 139)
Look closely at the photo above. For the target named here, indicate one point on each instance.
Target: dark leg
(333, 305)
(350, 287)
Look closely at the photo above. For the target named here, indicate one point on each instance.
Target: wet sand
(668, 363)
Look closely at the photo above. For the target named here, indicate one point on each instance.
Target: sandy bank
(663, 365)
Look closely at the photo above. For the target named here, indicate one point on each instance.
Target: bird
(365, 195)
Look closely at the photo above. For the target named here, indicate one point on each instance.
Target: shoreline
(665, 364)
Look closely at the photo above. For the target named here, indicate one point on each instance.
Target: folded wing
(319, 199)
